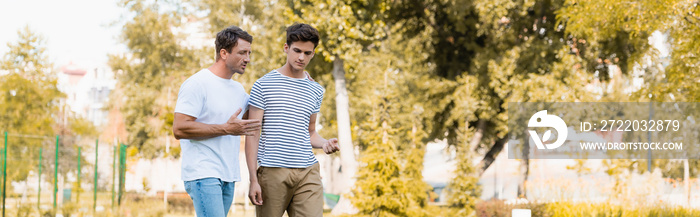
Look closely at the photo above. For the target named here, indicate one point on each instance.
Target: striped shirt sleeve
(317, 107)
(257, 98)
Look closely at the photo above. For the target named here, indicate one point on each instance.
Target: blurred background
(416, 92)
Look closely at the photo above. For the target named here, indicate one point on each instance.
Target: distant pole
(94, 190)
(114, 169)
(38, 197)
(122, 171)
(55, 176)
(4, 175)
(77, 191)
(651, 113)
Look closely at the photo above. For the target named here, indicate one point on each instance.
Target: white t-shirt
(212, 100)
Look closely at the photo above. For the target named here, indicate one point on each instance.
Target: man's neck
(288, 70)
(219, 69)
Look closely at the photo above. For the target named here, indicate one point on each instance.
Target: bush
(25, 210)
(498, 208)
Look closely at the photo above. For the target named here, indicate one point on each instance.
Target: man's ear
(286, 47)
(223, 54)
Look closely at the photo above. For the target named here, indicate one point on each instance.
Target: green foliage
(380, 188)
(346, 27)
(485, 54)
(678, 19)
(150, 74)
(387, 185)
(463, 189)
(382, 86)
(32, 110)
(623, 32)
(268, 32)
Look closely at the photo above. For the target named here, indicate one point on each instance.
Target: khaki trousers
(298, 191)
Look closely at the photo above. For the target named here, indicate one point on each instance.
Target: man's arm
(185, 127)
(251, 156)
(329, 146)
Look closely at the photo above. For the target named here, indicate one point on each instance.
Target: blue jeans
(211, 196)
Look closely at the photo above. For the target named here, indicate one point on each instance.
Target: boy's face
(299, 54)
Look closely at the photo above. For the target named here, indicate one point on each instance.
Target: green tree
(380, 189)
(390, 177)
(638, 20)
(485, 54)
(394, 69)
(31, 103)
(149, 75)
(666, 79)
(463, 189)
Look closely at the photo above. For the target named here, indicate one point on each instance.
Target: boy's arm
(251, 155)
(329, 146)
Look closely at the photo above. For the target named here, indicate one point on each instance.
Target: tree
(380, 188)
(672, 79)
(34, 110)
(150, 73)
(676, 19)
(390, 177)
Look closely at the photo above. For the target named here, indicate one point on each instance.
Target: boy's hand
(331, 146)
(255, 193)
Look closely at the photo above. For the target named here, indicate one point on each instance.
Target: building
(87, 90)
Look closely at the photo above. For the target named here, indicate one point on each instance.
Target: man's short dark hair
(228, 38)
(302, 32)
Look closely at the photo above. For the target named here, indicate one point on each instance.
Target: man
(288, 178)
(208, 122)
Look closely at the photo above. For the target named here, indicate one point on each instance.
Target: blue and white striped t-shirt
(288, 104)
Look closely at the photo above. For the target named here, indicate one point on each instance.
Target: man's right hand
(255, 193)
(238, 127)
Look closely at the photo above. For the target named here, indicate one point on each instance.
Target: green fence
(26, 160)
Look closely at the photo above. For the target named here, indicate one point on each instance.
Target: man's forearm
(197, 130)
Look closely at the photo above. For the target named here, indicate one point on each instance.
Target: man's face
(299, 54)
(238, 59)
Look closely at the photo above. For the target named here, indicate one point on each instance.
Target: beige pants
(298, 191)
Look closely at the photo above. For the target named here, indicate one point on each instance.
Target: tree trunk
(686, 179)
(524, 171)
(347, 149)
(474, 143)
(491, 155)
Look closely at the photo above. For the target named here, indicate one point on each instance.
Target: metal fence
(29, 159)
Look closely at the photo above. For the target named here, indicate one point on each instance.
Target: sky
(77, 31)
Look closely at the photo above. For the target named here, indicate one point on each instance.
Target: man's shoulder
(198, 76)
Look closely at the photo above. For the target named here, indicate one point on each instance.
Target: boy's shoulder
(267, 77)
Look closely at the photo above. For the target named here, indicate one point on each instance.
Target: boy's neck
(288, 70)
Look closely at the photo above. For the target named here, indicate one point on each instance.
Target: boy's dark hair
(302, 32)
(228, 38)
